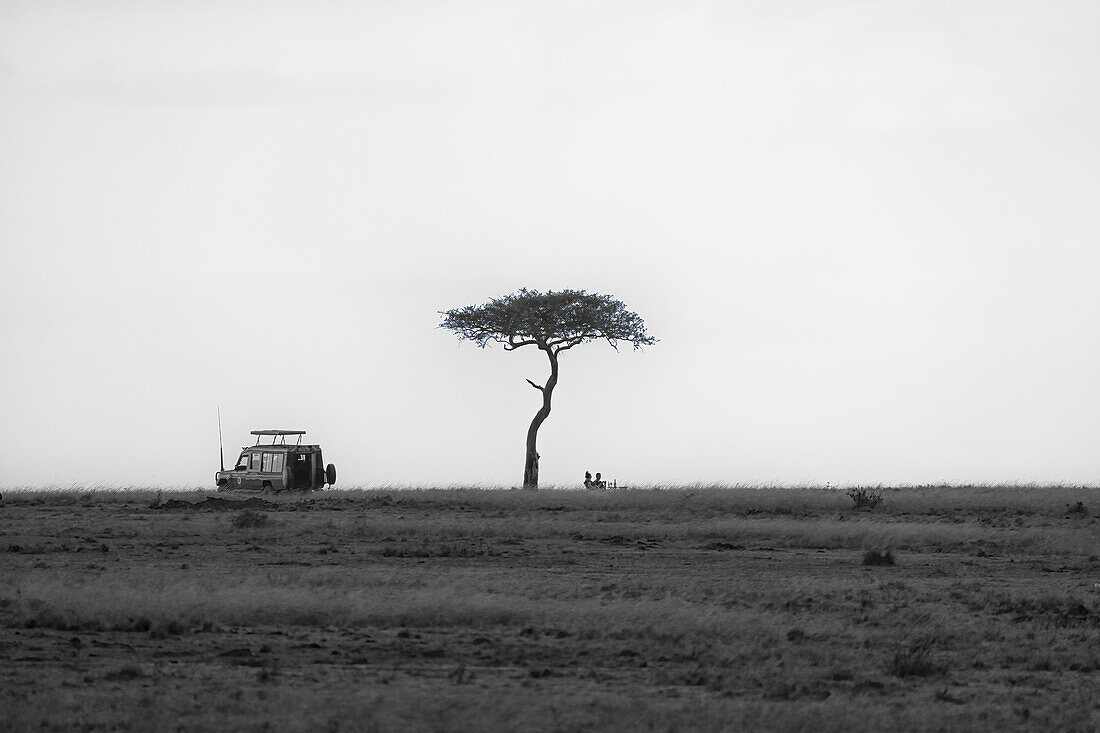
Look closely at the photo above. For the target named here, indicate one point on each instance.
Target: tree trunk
(531, 460)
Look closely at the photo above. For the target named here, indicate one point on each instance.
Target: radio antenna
(221, 450)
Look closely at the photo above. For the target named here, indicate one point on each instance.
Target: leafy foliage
(553, 321)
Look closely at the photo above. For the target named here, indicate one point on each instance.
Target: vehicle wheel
(330, 474)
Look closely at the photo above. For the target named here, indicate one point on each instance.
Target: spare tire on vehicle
(330, 474)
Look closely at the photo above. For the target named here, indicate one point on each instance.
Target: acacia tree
(554, 322)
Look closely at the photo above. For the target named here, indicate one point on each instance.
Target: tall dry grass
(738, 499)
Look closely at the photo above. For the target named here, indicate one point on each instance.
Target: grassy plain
(701, 609)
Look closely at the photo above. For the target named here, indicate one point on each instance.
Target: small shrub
(269, 672)
(165, 628)
(875, 557)
(460, 675)
(249, 519)
(123, 674)
(864, 498)
(914, 660)
(944, 696)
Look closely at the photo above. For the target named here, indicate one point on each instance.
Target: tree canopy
(553, 321)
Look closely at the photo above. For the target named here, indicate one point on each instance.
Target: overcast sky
(866, 234)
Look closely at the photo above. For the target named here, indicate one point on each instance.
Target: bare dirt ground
(495, 610)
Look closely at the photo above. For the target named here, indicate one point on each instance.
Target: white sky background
(866, 234)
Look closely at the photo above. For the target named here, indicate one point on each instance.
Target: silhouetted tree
(554, 322)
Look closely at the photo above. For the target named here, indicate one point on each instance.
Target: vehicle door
(250, 477)
(246, 474)
(235, 478)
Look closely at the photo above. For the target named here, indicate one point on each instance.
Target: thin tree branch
(565, 344)
(512, 344)
(540, 389)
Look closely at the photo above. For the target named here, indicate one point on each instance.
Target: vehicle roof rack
(278, 433)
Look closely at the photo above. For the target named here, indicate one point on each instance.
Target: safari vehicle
(277, 466)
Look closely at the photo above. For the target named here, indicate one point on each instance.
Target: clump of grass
(878, 557)
(864, 498)
(249, 519)
(914, 660)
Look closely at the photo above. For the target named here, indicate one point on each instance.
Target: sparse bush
(864, 498)
(914, 660)
(1078, 508)
(126, 673)
(876, 557)
(249, 519)
(165, 628)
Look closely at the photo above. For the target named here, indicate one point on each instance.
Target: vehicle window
(255, 463)
(277, 463)
(242, 462)
(267, 463)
